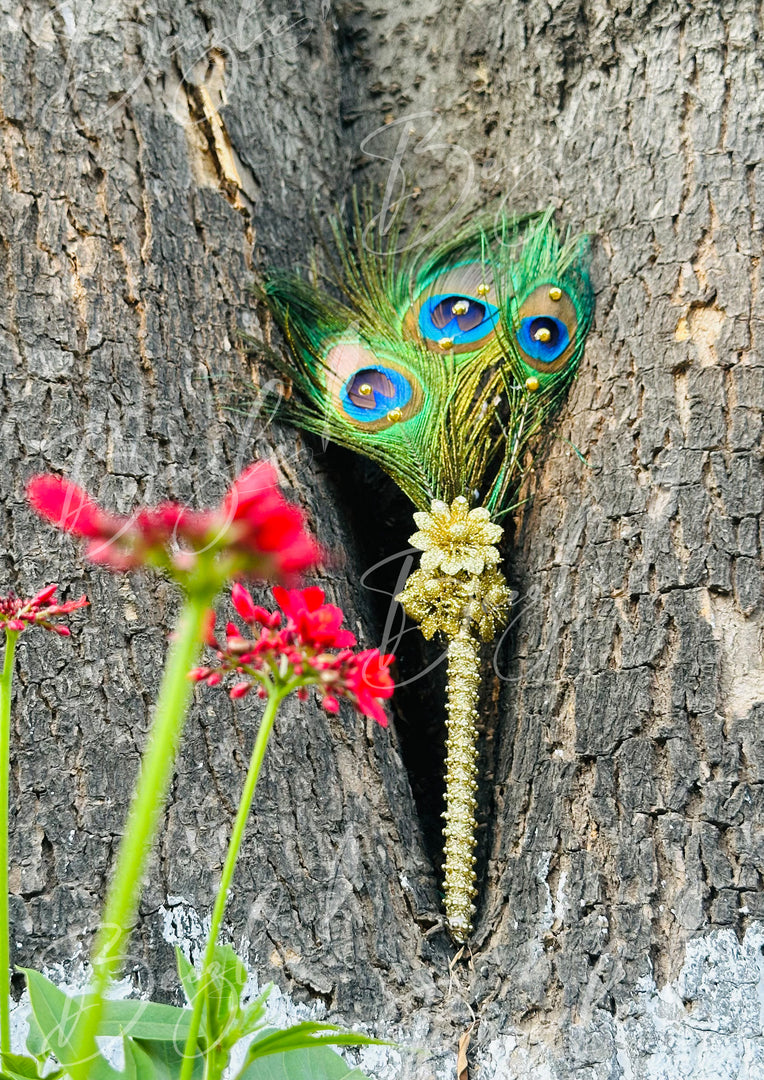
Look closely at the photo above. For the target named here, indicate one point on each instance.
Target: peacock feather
(445, 367)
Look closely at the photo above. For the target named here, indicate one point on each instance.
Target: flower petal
(70, 508)
(243, 602)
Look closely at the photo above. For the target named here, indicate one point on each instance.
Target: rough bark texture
(154, 156)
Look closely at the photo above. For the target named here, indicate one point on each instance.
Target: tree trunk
(155, 157)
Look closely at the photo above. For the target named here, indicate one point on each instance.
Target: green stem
(276, 696)
(6, 685)
(145, 810)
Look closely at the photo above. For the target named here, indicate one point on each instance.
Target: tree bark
(155, 158)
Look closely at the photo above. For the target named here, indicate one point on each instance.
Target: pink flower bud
(44, 595)
(237, 645)
(244, 604)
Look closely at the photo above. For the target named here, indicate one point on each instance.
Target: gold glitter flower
(441, 602)
(455, 539)
(491, 603)
(437, 602)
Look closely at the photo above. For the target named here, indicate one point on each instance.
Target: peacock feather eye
(545, 328)
(457, 310)
(542, 337)
(370, 392)
(463, 319)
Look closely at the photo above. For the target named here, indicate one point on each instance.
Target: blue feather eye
(543, 337)
(545, 327)
(373, 393)
(459, 320)
(370, 393)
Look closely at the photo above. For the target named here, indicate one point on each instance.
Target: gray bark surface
(154, 157)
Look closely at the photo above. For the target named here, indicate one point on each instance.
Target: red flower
(249, 610)
(317, 623)
(370, 681)
(17, 614)
(253, 533)
(295, 655)
(70, 508)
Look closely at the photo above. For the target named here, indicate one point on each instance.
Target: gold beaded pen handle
(459, 592)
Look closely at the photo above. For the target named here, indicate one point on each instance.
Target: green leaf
(141, 1019)
(227, 976)
(58, 1017)
(159, 1031)
(155, 1060)
(35, 1040)
(253, 1016)
(138, 1064)
(22, 1067)
(145, 1020)
(304, 1036)
(318, 1064)
(187, 975)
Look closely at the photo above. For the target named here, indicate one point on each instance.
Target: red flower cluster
(253, 533)
(293, 654)
(17, 614)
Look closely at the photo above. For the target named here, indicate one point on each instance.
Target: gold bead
(461, 307)
(364, 389)
(394, 416)
(542, 334)
(483, 289)
(532, 384)
(446, 342)
(555, 293)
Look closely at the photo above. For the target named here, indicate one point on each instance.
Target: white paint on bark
(708, 1024)
(182, 927)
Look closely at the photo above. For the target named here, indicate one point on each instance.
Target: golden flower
(442, 602)
(491, 603)
(455, 539)
(437, 603)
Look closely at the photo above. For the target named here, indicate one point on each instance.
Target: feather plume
(457, 419)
